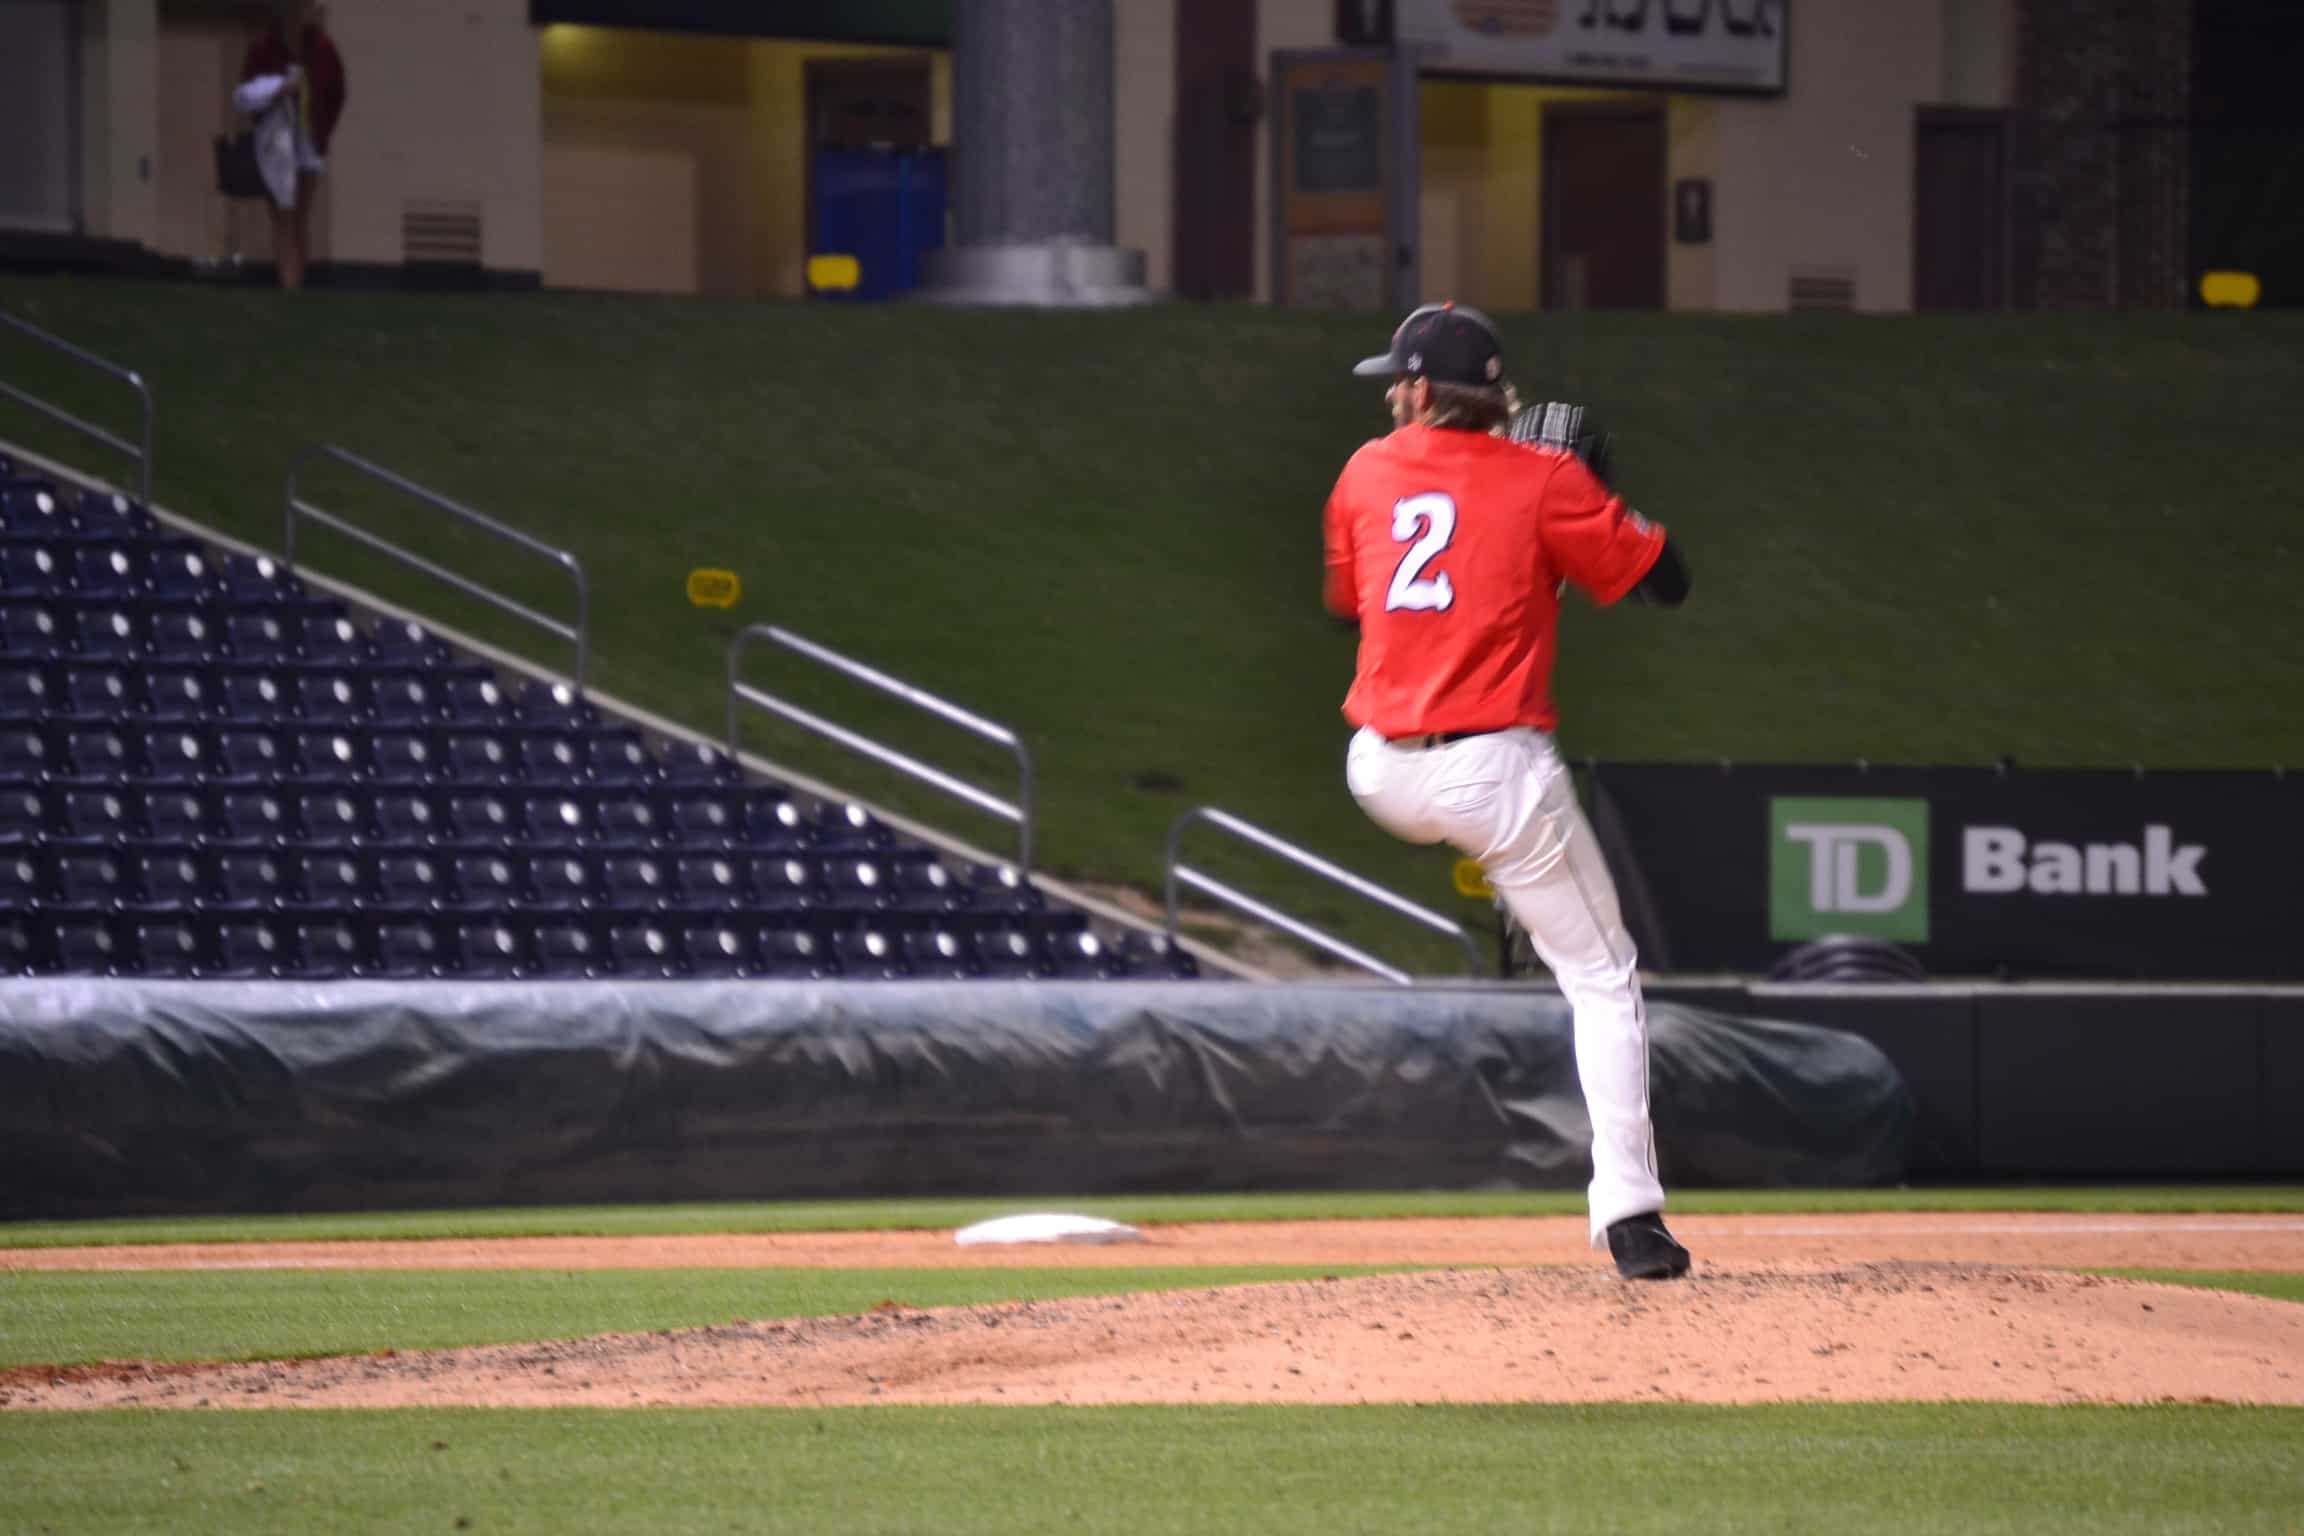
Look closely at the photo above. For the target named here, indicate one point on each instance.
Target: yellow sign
(714, 589)
(834, 274)
(2230, 290)
(1472, 881)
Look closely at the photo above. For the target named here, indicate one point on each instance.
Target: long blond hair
(1471, 407)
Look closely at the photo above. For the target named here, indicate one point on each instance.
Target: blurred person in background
(292, 85)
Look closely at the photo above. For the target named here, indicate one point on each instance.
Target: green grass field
(1935, 1468)
(2067, 538)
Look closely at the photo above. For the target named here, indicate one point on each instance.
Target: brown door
(1217, 100)
(1603, 207)
(1960, 210)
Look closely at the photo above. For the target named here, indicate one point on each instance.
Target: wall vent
(1823, 288)
(438, 232)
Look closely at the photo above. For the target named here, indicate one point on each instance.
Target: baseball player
(1450, 544)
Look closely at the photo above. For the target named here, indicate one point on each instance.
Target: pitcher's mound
(1886, 1332)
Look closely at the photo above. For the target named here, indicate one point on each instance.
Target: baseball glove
(1557, 424)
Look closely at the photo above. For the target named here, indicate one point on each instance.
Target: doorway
(879, 104)
(1217, 104)
(1960, 210)
(1603, 166)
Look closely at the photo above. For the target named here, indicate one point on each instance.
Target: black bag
(236, 171)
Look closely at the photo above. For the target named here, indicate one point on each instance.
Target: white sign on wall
(1727, 45)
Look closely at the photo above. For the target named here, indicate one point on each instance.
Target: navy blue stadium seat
(483, 816)
(331, 696)
(548, 760)
(405, 816)
(169, 813)
(938, 952)
(489, 949)
(250, 815)
(92, 812)
(174, 755)
(708, 817)
(81, 943)
(330, 877)
(642, 947)
(1079, 956)
(410, 878)
(847, 829)
(698, 763)
(633, 881)
(334, 639)
(113, 515)
(19, 944)
(919, 882)
(180, 573)
(259, 579)
(35, 508)
(773, 822)
(96, 690)
(855, 884)
(330, 816)
(32, 629)
(94, 752)
(247, 879)
(1011, 953)
(405, 948)
(254, 695)
(793, 954)
(23, 812)
(24, 692)
(715, 949)
(484, 882)
(108, 632)
(168, 876)
(868, 953)
(784, 883)
(400, 757)
(105, 570)
(248, 754)
(256, 635)
(555, 704)
(181, 634)
(175, 692)
(23, 752)
(554, 820)
(325, 756)
(402, 697)
(163, 945)
(406, 643)
(87, 877)
(1001, 890)
(565, 949)
(708, 880)
(623, 818)
(1155, 955)
(243, 944)
(619, 758)
(31, 573)
(325, 947)
(479, 757)
(22, 884)
(475, 698)
(559, 882)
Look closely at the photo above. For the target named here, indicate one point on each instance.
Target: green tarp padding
(122, 1096)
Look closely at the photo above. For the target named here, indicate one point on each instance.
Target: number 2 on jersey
(1435, 514)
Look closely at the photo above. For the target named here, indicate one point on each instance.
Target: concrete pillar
(1032, 105)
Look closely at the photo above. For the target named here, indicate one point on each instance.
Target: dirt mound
(1874, 1332)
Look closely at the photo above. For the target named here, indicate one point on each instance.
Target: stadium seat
(478, 757)
(489, 949)
(484, 882)
(330, 877)
(31, 573)
(698, 763)
(400, 697)
(642, 948)
(168, 877)
(259, 579)
(31, 629)
(406, 643)
(475, 698)
(868, 953)
(619, 758)
(633, 881)
(1154, 955)
(182, 635)
(773, 823)
(81, 944)
(330, 696)
(24, 692)
(706, 817)
(854, 884)
(921, 883)
(325, 757)
(1001, 890)
(329, 816)
(94, 752)
(246, 945)
(410, 878)
(554, 821)
(623, 819)
(559, 882)
(105, 570)
(87, 877)
(708, 880)
(399, 757)
(325, 948)
(793, 954)
(108, 632)
(243, 816)
(173, 692)
(21, 885)
(113, 515)
(555, 704)
(173, 755)
(1010, 953)
(96, 690)
(93, 813)
(23, 813)
(19, 944)
(34, 508)
(715, 949)
(246, 879)
(163, 946)
(548, 760)
(257, 636)
(1078, 956)
(480, 817)
(406, 949)
(254, 696)
(783, 883)
(179, 573)
(566, 949)
(847, 829)
(23, 752)
(937, 953)
(405, 816)
(333, 639)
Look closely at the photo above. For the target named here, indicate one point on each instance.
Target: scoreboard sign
(1716, 45)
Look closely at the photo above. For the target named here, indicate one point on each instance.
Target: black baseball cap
(1446, 343)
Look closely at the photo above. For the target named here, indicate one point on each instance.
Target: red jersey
(1449, 547)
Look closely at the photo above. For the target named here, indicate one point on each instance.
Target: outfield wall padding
(121, 1096)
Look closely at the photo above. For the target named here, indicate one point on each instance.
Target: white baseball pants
(1507, 800)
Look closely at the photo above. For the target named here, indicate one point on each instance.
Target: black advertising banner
(1978, 871)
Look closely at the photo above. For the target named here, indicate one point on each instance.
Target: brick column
(2102, 153)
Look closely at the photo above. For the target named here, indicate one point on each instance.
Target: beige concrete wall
(1280, 24)
(1691, 272)
(1979, 53)
(120, 118)
(444, 105)
(620, 219)
(1144, 134)
(1821, 178)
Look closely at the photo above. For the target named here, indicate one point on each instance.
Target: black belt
(1436, 739)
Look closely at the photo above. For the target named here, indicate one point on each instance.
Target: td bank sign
(1859, 866)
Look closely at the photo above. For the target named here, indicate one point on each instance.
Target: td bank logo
(1848, 866)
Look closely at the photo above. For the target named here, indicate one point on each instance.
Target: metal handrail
(1018, 811)
(578, 634)
(1249, 832)
(142, 455)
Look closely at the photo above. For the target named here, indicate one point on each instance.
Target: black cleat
(1643, 1250)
